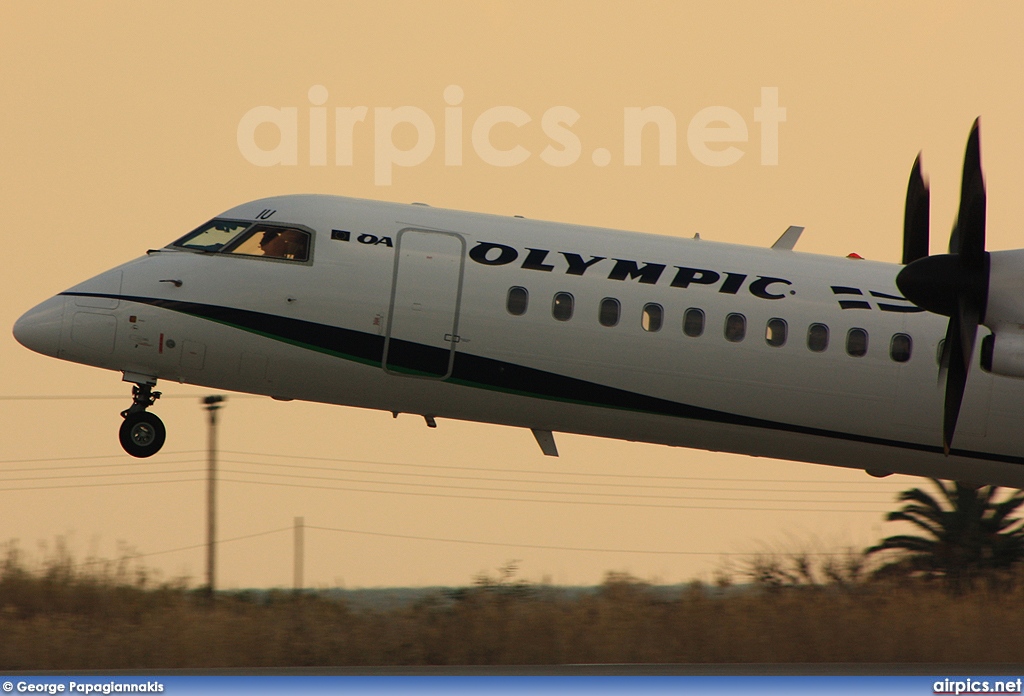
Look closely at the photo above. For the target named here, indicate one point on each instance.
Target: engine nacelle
(1005, 305)
(1002, 353)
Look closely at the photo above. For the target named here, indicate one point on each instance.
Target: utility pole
(212, 405)
(299, 551)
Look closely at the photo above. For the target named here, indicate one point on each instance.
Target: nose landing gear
(142, 433)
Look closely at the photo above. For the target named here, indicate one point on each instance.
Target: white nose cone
(39, 328)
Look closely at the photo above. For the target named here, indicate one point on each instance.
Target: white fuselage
(406, 308)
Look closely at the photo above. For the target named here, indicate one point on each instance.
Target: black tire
(142, 434)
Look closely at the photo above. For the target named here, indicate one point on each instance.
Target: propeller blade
(956, 381)
(967, 244)
(944, 358)
(915, 216)
(954, 284)
(960, 337)
(968, 237)
(968, 330)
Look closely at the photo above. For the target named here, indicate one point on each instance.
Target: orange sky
(118, 133)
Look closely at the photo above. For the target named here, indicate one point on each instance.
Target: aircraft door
(423, 322)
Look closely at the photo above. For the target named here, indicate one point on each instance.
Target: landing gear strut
(142, 434)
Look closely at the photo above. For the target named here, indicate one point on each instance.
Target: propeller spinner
(954, 284)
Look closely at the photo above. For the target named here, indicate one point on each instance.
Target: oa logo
(374, 239)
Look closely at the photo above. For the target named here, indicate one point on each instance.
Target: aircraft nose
(39, 328)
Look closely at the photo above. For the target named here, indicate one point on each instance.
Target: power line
(581, 474)
(544, 547)
(95, 485)
(144, 472)
(549, 483)
(84, 458)
(115, 473)
(194, 546)
(553, 472)
(449, 540)
(147, 473)
(121, 465)
(618, 485)
(511, 490)
(590, 475)
(399, 483)
(537, 500)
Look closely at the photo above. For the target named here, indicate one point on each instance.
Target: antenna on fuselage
(788, 239)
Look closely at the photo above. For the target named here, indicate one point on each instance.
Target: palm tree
(966, 534)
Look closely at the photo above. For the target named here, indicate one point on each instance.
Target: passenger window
(518, 299)
(857, 342)
(775, 333)
(693, 322)
(609, 313)
(273, 242)
(817, 337)
(561, 307)
(900, 347)
(212, 236)
(735, 327)
(652, 317)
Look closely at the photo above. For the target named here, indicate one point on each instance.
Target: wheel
(142, 434)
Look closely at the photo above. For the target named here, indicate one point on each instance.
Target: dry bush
(798, 609)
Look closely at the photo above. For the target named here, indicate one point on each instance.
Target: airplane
(553, 327)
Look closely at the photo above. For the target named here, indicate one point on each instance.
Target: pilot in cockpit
(283, 244)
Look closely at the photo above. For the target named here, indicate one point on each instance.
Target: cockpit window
(271, 241)
(212, 236)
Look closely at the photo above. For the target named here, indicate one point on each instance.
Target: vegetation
(797, 608)
(966, 535)
(954, 593)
